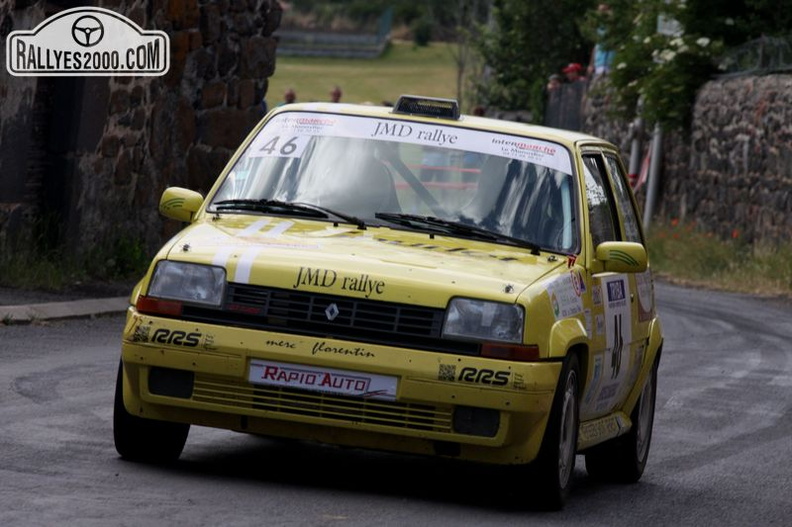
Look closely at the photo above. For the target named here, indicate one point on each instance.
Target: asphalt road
(720, 454)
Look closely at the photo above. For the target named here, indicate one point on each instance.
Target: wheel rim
(566, 445)
(645, 417)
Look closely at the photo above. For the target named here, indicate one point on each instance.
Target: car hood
(378, 262)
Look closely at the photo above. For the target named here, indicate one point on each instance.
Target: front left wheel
(140, 439)
(553, 469)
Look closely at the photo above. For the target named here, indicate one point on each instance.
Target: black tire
(553, 469)
(622, 460)
(147, 440)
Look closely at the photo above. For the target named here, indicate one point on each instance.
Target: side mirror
(180, 204)
(622, 257)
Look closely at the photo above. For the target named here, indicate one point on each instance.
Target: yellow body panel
(450, 398)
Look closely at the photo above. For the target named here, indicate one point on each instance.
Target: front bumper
(198, 373)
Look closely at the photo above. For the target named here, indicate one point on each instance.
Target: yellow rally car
(406, 279)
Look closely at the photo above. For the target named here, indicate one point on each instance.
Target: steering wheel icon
(87, 31)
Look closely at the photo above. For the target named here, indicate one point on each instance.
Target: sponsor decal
(601, 428)
(286, 135)
(327, 278)
(484, 376)
(436, 136)
(358, 351)
(141, 334)
(281, 344)
(595, 379)
(176, 337)
(599, 324)
(618, 336)
(596, 294)
(448, 372)
(565, 297)
(87, 41)
(327, 380)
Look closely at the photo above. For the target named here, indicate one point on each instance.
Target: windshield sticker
(564, 297)
(287, 135)
(328, 279)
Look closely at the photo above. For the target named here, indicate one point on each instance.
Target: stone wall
(732, 175)
(128, 138)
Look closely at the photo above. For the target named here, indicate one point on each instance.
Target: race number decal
(618, 336)
(266, 145)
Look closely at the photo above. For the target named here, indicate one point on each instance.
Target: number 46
(272, 148)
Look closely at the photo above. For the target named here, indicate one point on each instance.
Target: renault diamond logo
(331, 312)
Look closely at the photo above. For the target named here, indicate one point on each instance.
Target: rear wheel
(140, 439)
(623, 459)
(553, 468)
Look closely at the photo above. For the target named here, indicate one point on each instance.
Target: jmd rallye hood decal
(377, 263)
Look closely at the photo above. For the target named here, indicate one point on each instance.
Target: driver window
(602, 222)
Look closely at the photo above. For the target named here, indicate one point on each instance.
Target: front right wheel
(140, 439)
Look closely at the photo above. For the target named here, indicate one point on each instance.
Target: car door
(618, 340)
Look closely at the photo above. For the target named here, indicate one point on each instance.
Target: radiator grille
(228, 395)
(331, 316)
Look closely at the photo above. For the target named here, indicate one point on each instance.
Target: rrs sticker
(176, 337)
(448, 372)
(484, 376)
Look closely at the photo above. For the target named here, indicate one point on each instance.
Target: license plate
(325, 380)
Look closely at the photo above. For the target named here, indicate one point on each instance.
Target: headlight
(193, 283)
(481, 320)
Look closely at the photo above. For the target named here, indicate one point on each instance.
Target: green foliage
(527, 42)
(665, 69)
(30, 266)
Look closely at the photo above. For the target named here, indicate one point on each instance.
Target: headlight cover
(187, 282)
(467, 318)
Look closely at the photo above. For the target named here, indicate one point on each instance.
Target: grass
(684, 254)
(31, 267)
(403, 68)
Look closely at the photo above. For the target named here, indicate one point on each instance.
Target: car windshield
(375, 169)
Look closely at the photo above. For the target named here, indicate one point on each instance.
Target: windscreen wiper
(453, 227)
(274, 206)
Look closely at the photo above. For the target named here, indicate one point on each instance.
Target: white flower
(703, 42)
(621, 65)
(729, 21)
(677, 42)
(667, 55)
(647, 40)
(683, 49)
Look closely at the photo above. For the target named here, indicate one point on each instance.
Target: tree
(665, 65)
(525, 43)
(470, 17)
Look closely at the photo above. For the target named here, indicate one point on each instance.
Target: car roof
(566, 137)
